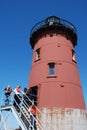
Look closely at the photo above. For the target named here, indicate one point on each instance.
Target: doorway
(33, 94)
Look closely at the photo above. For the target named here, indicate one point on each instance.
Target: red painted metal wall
(63, 90)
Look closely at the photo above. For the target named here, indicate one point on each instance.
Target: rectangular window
(37, 54)
(51, 69)
(73, 56)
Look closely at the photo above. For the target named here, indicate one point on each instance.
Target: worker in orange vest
(17, 96)
(32, 110)
(7, 92)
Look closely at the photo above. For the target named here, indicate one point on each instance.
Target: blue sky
(17, 17)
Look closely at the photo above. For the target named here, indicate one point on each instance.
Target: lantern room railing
(53, 20)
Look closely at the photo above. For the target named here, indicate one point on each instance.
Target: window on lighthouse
(37, 54)
(51, 69)
(73, 56)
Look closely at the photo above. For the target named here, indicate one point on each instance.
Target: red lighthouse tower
(54, 81)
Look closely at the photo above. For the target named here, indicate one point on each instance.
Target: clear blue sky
(16, 20)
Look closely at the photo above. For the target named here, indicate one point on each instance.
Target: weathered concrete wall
(63, 119)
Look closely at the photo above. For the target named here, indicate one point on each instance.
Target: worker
(7, 92)
(32, 110)
(17, 97)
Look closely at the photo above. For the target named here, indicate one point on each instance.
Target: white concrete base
(63, 119)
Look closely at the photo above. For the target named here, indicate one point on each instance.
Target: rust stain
(63, 118)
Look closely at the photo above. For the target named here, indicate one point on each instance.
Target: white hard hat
(8, 86)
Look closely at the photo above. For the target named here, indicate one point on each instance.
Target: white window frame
(73, 56)
(37, 54)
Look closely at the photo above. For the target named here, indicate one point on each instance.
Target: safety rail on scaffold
(22, 114)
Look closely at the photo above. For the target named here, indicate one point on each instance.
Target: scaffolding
(25, 119)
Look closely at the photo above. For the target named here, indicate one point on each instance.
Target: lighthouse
(54, 81)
